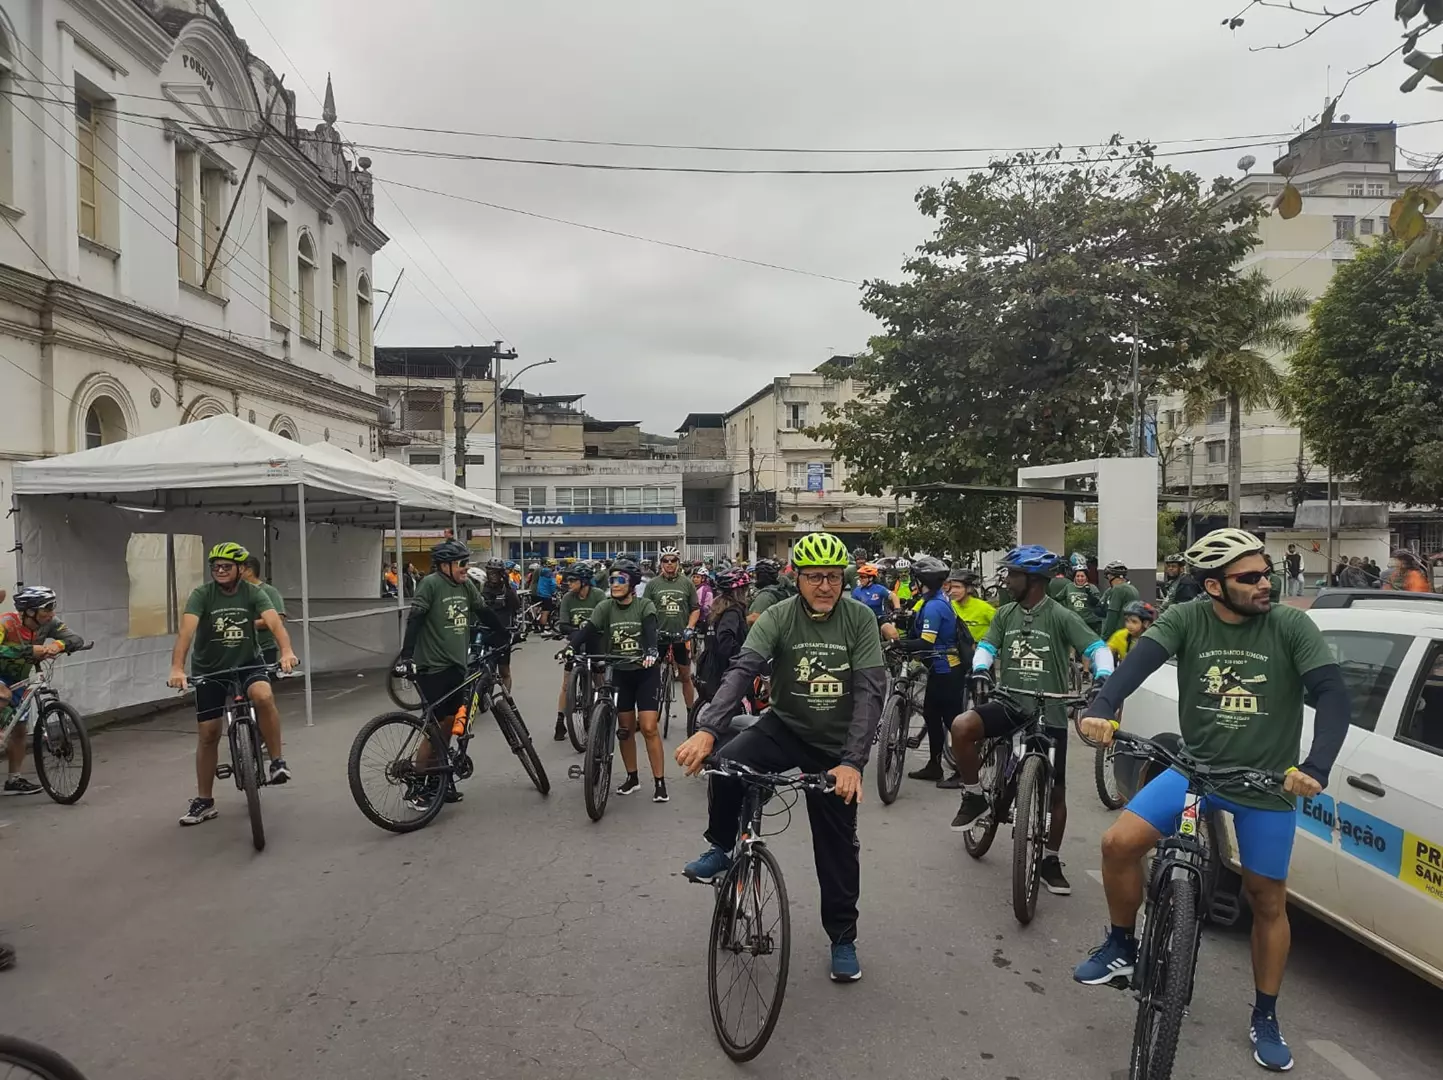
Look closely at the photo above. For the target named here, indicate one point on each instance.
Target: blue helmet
(1032, 559)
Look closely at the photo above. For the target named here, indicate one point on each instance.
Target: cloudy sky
(651, 333)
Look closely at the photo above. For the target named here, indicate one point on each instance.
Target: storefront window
(513, 551)
(650, 549)
(566, 549)
(537, 549)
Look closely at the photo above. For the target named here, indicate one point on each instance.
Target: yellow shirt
(977, 614)
(1119, 643)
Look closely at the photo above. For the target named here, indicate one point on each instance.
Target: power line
(285, 55)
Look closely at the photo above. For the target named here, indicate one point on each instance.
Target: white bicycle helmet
(477, 574)
(1221, 547)
(903, 564)
(669, 550)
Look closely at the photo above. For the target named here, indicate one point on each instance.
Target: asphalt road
(514, 938)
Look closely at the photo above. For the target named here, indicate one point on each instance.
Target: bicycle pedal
(574, 772)
(223, 771)
(1225, 909)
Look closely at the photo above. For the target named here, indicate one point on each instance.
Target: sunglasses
(1250, 577)
(620, 579)
(670, 559)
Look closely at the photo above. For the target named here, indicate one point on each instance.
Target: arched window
(286, 435)
(104, 423)
(363, 320)
(306, 287)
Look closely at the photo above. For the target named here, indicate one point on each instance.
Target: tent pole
(19, 542)
(455, 527)
(305, 599)
(400, 584)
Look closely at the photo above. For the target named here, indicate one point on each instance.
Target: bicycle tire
(38, 1061)
(575, 706)
(1106, 779)
(72, 739)
(757, 856)
(668, 689)
(402, 691)
(693, 716)
(508, 716)
(596, 769)
(246, 757)
(394, 775)
(1028, 835)
(978, 839)
(1171, 950)
(891, 750)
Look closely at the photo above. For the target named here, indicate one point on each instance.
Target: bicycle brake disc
(463, 767)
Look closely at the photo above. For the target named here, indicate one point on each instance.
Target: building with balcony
(783, 483)
(174, 244)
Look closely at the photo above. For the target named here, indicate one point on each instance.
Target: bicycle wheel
(668, 684)
(891, 749)
(749, 953)
(245, 765)
(575, 707)
(693, 716)
(1029, 831)
(382, 772)
(978, 838)
(34, 1060)
(402, 691)
(1106, 779)
(1167, 955)
(509, 717)
(596, 769)
(62, 752)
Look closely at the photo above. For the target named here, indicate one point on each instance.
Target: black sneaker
(1050, 871)
(658, 793)
(974, 805)
(930, 771)
(560, 734)
(629, 785)
(200, 810)
(20, 785)
(279, 773)
(951, 783)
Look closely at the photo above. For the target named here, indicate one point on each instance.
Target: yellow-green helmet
(233, 552)
(819, 549)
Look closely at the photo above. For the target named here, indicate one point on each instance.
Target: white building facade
(174, 245)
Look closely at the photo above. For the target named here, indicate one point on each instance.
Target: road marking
(1341, 1060)
(1096, 875)
(343, 693)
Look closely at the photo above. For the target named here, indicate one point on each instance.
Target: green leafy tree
(1366, 383)
(934, 526)
(1009, 339)
(1259, 323)
(1082, 535)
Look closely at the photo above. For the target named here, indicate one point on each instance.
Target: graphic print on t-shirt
(230, 624)
(1228, 691)
(1027, 657)
(817, 683)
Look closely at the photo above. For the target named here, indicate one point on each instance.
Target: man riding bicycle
(31, 633)
(576, 608)
(1178, 586)
(828, 681)
(1030, 641)
(498, 594)
(220, 618)
(938, 635)
(1244, 666)
(1120, 593)
(678, 609)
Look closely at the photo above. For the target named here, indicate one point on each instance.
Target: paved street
(514, 938)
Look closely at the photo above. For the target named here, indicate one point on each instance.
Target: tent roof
(225, 465)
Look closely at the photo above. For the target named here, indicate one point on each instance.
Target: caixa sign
(543, 519)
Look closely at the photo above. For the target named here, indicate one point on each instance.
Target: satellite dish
(1246, 162)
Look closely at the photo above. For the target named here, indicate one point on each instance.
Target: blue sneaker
(1270, 1050)
(1113, 959)
(845, 965)
(711, 864)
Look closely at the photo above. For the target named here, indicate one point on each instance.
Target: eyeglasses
(620, 579)
(222, 564)
(818, 577)
(1250, 577)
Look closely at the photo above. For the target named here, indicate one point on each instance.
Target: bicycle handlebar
(1215, 776)
(230, 676)
(716, 766)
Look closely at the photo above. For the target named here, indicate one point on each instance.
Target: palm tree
(1261, 323)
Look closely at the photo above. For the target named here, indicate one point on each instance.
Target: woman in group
(1406, 573)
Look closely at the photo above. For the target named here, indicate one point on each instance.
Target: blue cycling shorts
(1265, 837)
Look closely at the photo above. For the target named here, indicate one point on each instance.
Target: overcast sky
(651, 333)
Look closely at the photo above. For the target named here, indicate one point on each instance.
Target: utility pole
(495, 354)
(1191, 506)
(751, 497)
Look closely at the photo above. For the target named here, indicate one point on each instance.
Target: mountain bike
(1105, 778)
(751, 926)
(595, 769)
(1178, 891)
(401, 688)
(580, 696)
(243, 735)
(1016, 772)
(894, 732)
(22, 1059)
(402, 768)
(666, 700)
(61, 743)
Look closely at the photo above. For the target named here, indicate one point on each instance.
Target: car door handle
(1362, 783)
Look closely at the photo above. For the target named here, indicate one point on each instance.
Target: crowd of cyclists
(822, 630)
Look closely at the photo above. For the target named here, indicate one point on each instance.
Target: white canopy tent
(220, 466)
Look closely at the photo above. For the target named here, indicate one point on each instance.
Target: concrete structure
(419, 387)
(174, 244)
(1348, 176)
(769, 451)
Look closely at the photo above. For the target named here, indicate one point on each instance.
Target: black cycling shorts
(211, 697)
(548, 603)
(443, 690)
(637, 689)
(679, 651)
(1002, 716)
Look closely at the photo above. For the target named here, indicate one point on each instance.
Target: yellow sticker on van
(1423, 865)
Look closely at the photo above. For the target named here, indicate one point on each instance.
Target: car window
(1369, 663)
(1422, 723)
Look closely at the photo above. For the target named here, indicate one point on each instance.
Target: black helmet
(34, 598)
(965, 575)
(1144, 611)
(450, 551)
(929, 570)
(1115, 569)
(577, 572)
(767, 571)
(499, 565)
(629, 568)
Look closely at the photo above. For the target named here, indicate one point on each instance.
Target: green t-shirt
(446, 608)
(619, 628)
(575, 609)
(264, 638)
(766, 597)
(1032, 651)
(812, 665)
(226, 636)
(675, 601)
(1117, 598)
(849, 575)
(1240, 687)
(1087, 602)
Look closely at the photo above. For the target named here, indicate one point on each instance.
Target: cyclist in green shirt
(828, 681)
(1086, 600)
(1120, 593)
(771, 587)
(220, 618)
(251, 571)
(678, 610)
(576, 607)
(1030, 642)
